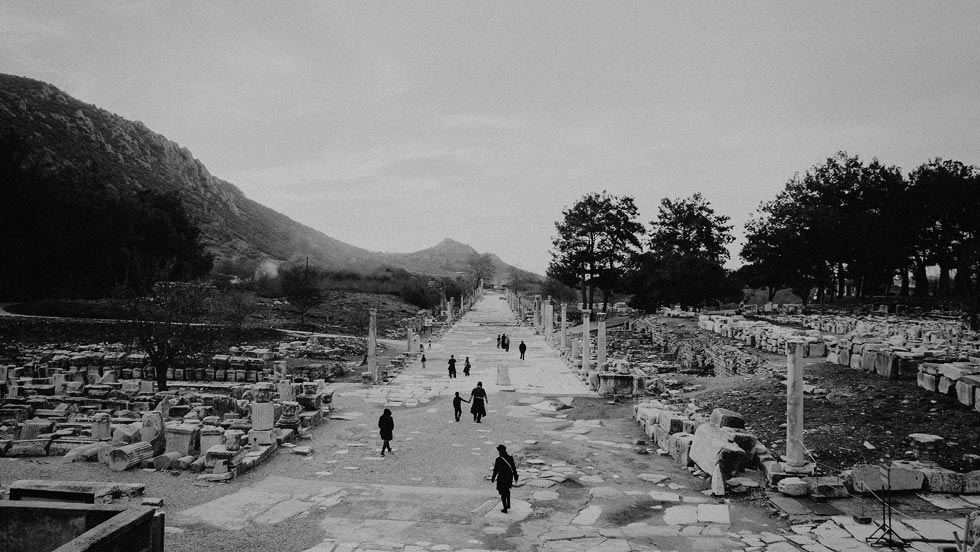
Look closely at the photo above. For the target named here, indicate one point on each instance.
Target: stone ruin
(219, 428)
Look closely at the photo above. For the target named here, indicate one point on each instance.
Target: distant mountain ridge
(63, 132)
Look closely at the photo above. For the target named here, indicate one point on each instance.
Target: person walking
(522, 348)
(458, 405)
(421, 347)
(498, 341)
(466, 367)
(505, 474)
(452, 366)
(423, 361)
(505, 342)
(387, 426)
(479, 399)
(430, 344)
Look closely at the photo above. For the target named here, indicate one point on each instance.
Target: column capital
(600, 316)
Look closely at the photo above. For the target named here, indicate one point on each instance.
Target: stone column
(564, 330)
(409, 340)
(795, 461)
(586, 332)
(601, 351)
(372, 346)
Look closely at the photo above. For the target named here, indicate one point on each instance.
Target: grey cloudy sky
(391, 125)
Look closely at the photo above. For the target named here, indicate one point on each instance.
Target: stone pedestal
(503, 376)
(152, 432)
(210, 436)
(611, 383)
(233, 439)
(182, 438)
(290, 416)
(263, 415)
(286, 392)
(101, 427)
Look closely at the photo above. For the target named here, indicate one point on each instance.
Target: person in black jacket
(387, 426)
(458, 405)
(522, 348)
(505, 474)
(466, 367)
(479, 399)
(452, 366)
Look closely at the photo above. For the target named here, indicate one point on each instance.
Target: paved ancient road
(584, 486)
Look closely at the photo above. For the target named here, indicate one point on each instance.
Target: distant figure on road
(505, 342)
(466, 367)
(498, 341)
(452, 366)
(522, 348)
(430, 344)
(423, 361)
(387, 426)
(458, 405)
(479, 398)
(421, 347)
(505, 474)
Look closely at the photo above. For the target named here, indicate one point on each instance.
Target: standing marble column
(586, 338)
(564, 324)
(795, 461)
(601, 351)
(372, 346)
(408, 339)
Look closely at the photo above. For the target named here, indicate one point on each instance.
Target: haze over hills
(60, 132)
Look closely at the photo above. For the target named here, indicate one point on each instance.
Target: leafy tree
(596, 238)
(945, 195)
(690, 228)
(806, 236)
(684, 262)
(301, 285)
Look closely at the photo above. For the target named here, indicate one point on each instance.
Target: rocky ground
(851, 416)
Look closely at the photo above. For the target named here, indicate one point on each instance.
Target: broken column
(795, 460)
(601, 351)
(372, 346)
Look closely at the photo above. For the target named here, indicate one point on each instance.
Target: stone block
(261, 437)
(940, 480)
(715, 448)
(671, 423)
(971, 482)
(182, 438)
(946, 386)
(827, 486)
(869, 477)
(855, 361)
(965, 391)
(722, 417)
(793, 486)
(927, 381)
(263, 416)
(679, 447)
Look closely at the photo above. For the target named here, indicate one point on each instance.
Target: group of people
(504, 469)
(503, 342)
(452, 366)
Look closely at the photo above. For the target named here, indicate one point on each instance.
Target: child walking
(458, 405)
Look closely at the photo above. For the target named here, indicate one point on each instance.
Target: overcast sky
(391, 125)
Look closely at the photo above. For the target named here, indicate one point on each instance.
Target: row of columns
(543, 319)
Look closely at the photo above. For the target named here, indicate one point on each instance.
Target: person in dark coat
(423, 361)
(504, 342)
(479, 399)
(452, 366)
(522, 348)
(505, 474)
(466, 367)
(387, 426)
(498, 341)
(458, 405)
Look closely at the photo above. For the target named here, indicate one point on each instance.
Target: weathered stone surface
(939, 480)
(713, 446)
(868, 477)
(722, 417)
(793, 486)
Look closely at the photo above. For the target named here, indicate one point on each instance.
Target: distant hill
(61, 132)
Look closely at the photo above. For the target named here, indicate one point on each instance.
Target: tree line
(844, 228)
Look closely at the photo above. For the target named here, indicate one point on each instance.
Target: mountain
(446, 258)
(59, 132)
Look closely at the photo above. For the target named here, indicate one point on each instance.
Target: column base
(806, 469)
